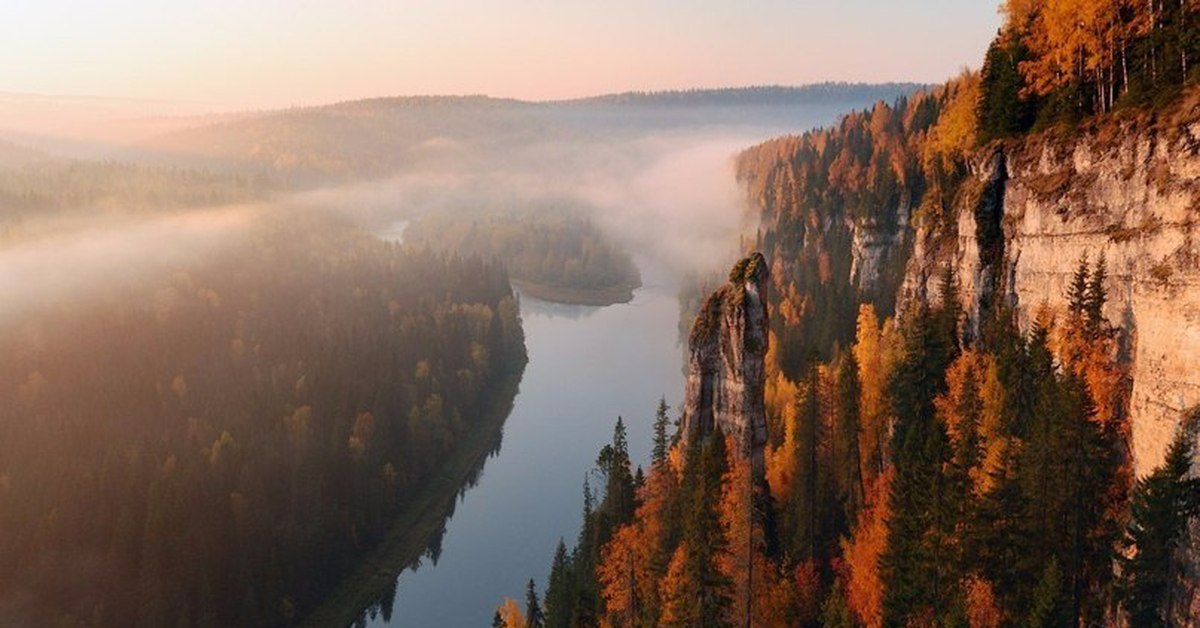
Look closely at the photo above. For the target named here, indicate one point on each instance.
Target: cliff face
(726, 348)
(1130, 193)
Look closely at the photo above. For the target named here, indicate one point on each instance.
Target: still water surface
(586, 366)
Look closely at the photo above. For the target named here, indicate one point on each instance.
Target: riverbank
(422, 521)
(608, 295)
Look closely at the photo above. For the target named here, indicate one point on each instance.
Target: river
(587, 365)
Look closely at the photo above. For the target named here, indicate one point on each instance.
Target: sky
(278, 53)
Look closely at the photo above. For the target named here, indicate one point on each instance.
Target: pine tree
(847, 430)
(920, 565)
(533, 610)
(835, 613)
(1003, 110)
(559, 595)
(1048, 608)
(661, 441)
(616, 506)
(1162, 505)
(704, 537)
(1077, 292)
(1097, 294)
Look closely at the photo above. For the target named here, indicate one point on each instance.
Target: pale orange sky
(288, 52)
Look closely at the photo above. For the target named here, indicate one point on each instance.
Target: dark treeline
(217, 447)
(551, 247)
(816, 93)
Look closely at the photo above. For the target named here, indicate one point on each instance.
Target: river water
(587, 365)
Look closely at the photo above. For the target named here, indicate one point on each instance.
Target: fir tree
(920, 564)
(1048, 607)
(847, 432)
(835, 613)
(1162, 505)
(1097, 294)
(704, 537)
(661, 440)
(1077, 292)
(559, 595)
(533, 610)
(1003, 110)
(616, 506)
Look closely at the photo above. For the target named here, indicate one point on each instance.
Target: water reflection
(533, 306)
(440, 511)
(587, 365)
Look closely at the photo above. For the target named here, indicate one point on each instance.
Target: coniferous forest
(218, 445)
(556, 252)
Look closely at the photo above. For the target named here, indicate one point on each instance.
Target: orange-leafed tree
(632, 561)
(510, 614)
(677, 594)
(743, 534)
(876, 350)
(983, 611)
(864, 585)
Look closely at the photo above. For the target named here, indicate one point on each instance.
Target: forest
(921, 469)
(913, 480)
(40, 186)
(552, 252)
(217, 445)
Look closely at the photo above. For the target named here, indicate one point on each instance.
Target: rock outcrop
(1131, 194)
(726, 349)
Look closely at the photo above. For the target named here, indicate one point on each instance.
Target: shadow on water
(587, 365)
(538, 307)
(417, 534)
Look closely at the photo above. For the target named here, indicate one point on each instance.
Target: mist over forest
(235, 345)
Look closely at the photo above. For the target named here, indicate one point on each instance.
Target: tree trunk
(1124, 70)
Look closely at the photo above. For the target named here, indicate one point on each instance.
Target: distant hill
(378, 137)
(818, 93)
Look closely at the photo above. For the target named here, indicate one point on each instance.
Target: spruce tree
(920, 563)
(1048, 606)
(559, 594)
(1097, 294)
(851, 491)
(705, 537)
(661, 441)
(617, 503)
(1003, 110)
(1077, 292)
(1162, 505)
(533, 610)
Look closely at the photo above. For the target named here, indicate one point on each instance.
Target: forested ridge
(42, 186)
(552, 249)
(921, 471)
(217, 446)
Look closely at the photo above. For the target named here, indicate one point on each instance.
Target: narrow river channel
(587, 365)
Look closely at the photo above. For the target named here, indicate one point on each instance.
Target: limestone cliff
(726, 348)
(1130, 191)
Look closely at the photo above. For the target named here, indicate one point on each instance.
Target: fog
(669, 199)
(658, 181)
(81, 258)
